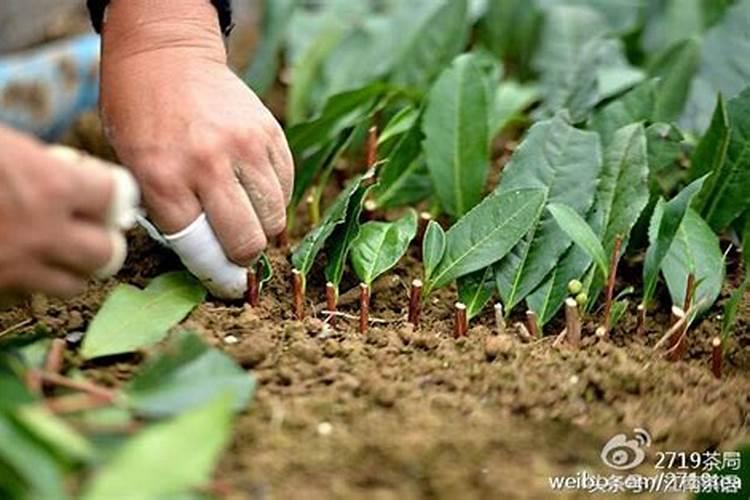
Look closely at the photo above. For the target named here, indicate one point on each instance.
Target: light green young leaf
(456, 141)
(431, 33)
(581, 233)
(510, 100)
(726, 194)
(167, 458)
(262, 72)
(55, 432)
(343, 236)
(304, 255)
(731, 309)
(433, 248)
(380, 245)
(722, 70)
(398, 125)
(695, 250)
(132, 318)
(487, 233)
(186, 375)
(475, 290)
(665, 222)
(566, 163)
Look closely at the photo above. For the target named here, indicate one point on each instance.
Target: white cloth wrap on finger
(202, 254)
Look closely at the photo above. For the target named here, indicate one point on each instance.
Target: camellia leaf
(664, 145)
(665, 222)
(565, 162)
(675, 68)
(380, 245)
(55, 432)
(487, 233)
(710, 153)
(581, 233)
(433, 248)
(262, 72)
(456, 141)
(304, 255)
(167, 458)
(510, 100)
(721, 70)
(431, 33)
(475, 290)
(695, 250)
(398, 125)
(344, 235)
(637, 105)
(188, 374)
(132, 318)
(726, 194)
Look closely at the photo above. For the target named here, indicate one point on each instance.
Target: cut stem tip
(415, 302)
(298, 294)
(461, 326)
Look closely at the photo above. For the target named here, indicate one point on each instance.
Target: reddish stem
(54, 361)
(364, 307)
(613, 264)
(78, 385)
(678, 345)
(461, 326)
(415, 302)
(372, 147)
(298, 294)
(253, 288)
(532, 323)
(76, 403)
(572, 323)
(717, 357)
(641, 325)
(331, 301)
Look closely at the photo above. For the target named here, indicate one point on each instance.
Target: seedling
(372, 147)
(423, 222)
(460, 325)
(532, 323)
(612, 278)
(572, 323)
(331, 303)
(677, 348)
(54, 361)
(717, 357)
(499, 319)
(415, 302)
(253, 288)
(298, 294)
(364, 307)
(641, 320)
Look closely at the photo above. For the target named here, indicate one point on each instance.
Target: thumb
(201, 253)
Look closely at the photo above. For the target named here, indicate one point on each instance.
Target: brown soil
(405, 414)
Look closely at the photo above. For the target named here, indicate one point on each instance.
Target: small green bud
(575, 287)
(582, 299)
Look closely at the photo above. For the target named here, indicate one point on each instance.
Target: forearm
(135, 27)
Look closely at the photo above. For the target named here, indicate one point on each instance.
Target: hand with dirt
(212, 162)
(59, 218)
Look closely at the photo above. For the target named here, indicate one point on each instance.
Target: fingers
(84, 248)
(232, 216)
(263, 188)
(49, 280)
(282, 161)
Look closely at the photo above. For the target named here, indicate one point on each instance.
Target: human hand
(61, 217)
(196, 138)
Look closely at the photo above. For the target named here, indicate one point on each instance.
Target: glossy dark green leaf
(566, 163)
(344, 235)
(581, 233)
(665, 222)
(167, 458)
(695, 250)
(675, 68)
(456, 141)
(636, 105)
(132, 318)
(380, 245)
(187, 374)
(487, 233)
(433, 248)
(726, 194)
(710, 153)
(305, 253)
(510, 29)
(664, 145)
(475, 290)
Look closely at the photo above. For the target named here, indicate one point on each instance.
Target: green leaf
(675, 68)
(731, 308)
(710, 153)
(399, 180)
(722, 70)
(695, 250)
(433, 248)
(487, 233)
(266, 274)
(344, 235)
(185, 375)
(565, 162)
(31, 462)
(401, 123)
(664, 144)
(511, 30)
(380, 245)
(430, 33)
(475, 290)
(510, 100)
(622, 17)
(132, 318)
(635, 106)
(54, 432)
(581, 233)
(304, 255)
(726, 194)
(262, 72)
(456, 141)
(665, 222)
(168, 458)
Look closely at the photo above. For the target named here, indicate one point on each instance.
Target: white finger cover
(116, 261)
(200, 251)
